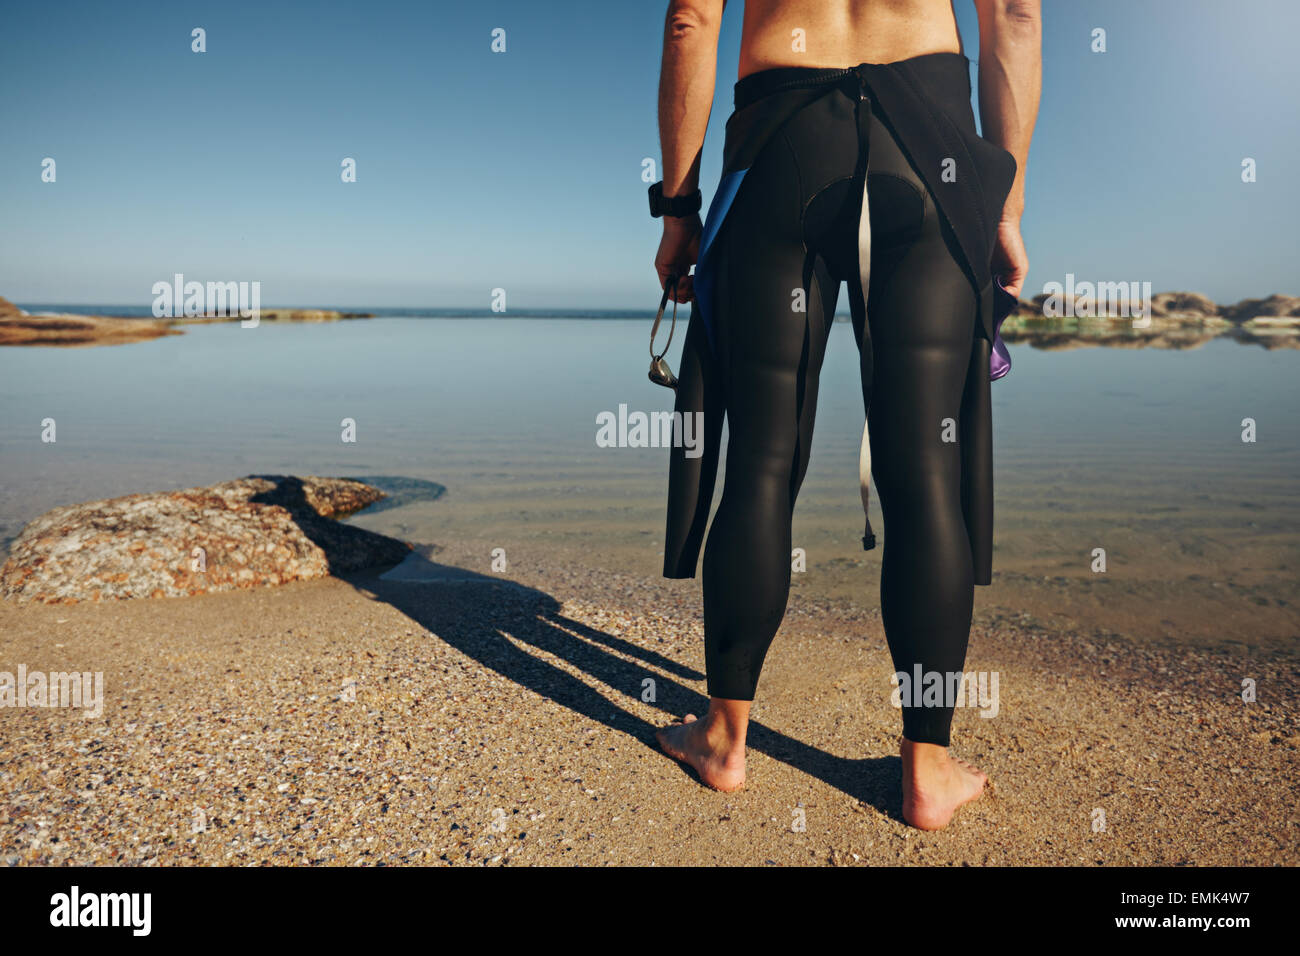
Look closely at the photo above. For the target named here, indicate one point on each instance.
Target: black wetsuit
(785, 225)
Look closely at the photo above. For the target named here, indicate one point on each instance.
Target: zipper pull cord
(863, 117)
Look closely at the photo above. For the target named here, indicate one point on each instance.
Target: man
(851, 157)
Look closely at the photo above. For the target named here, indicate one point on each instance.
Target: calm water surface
(1137, 451)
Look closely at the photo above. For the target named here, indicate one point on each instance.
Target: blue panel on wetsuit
(718, 209)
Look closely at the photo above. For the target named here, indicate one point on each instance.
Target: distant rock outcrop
(18, 328)
(251, 532)
(278, 315)
(1182, 304)
(1173, 310)
(1274, 305)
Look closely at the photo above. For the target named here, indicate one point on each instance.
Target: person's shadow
(512, 629)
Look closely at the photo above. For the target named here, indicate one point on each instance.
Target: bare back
(838, 33)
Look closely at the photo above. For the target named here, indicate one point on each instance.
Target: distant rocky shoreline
(1177, 320)
(1192, 307)
(68, 329)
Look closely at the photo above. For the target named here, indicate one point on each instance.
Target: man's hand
(678, 251)
(1010, 261)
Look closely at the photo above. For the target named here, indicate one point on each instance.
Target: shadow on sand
(504, 625)
(347, 548)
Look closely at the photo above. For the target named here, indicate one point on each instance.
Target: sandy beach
(505, 717)
(506, 721)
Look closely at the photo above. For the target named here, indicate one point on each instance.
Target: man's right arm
(1010, 82)
(686, 82)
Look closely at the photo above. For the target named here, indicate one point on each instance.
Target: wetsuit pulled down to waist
(838, 178)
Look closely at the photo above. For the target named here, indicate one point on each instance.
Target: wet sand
(500, 722)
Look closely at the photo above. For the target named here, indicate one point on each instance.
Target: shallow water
(1137, 451)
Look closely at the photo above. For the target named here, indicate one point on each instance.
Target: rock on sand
(247, 533)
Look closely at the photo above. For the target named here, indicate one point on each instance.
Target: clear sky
(522, 169)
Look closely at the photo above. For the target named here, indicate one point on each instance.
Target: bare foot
(712, 746)
(935, 784)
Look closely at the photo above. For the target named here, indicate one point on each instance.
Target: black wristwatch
(677, 206)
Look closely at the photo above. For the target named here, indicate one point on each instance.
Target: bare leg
(922, 314)
(714, 746)
(935, 784)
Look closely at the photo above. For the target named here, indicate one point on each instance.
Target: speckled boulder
(248, 533)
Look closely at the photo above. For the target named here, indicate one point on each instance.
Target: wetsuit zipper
(810, 81)
(827, 79)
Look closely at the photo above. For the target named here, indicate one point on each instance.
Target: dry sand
(495, 723)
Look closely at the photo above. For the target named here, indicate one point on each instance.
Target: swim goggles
(660, 373)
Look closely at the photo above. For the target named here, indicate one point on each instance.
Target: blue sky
(522, 170)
